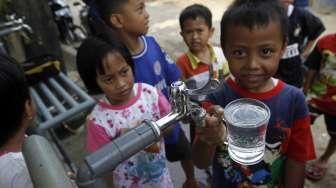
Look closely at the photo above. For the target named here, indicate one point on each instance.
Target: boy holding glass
(253, 38)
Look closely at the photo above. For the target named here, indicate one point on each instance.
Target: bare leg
(188, 168)
(318, 168)
(329, 151)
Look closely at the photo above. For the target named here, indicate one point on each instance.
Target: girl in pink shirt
(108, 67)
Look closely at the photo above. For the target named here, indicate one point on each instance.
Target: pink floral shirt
(147, 168)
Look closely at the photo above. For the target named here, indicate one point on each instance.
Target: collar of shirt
(290, 9)
(194, 60)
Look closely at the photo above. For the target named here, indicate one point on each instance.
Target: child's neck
(15, 143)
(203, 55)
(268, 86)
(134, 43)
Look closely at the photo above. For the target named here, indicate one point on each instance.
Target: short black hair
(90, 56)
(14, 93)
(254, 13)
(194, 11)
(106, 8)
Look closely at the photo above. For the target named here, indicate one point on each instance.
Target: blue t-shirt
(288, 136)
(301, 3)
(153, 66)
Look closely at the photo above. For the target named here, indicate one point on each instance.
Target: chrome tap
(180, 99)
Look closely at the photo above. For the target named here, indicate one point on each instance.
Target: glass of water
(246, 120)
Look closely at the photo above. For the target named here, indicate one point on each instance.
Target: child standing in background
(303, 25)
(321, 82)
(108, 67)
(196, 30)
(129, 21)
(17, 113)
(253, 38)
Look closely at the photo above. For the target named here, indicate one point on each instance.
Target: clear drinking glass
(246, 121)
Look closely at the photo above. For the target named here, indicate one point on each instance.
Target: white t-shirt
(14, 172)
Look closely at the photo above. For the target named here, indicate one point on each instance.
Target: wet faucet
(14, 24)
(109, 156)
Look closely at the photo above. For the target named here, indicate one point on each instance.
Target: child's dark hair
(90, 58)
(194, 11)
(254, 13)
(14, 94)
(107, 7)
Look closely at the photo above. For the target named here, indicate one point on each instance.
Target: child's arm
(307, 49)
(96, 136)
(294, 174)
(313, 63)
(313, 28)
(300, 146)
(207, 138)
(165, 108)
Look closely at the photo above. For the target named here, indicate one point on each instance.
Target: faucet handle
(211, 86)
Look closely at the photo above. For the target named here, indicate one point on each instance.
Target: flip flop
(315, 171)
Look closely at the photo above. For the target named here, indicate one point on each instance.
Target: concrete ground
(164, 26)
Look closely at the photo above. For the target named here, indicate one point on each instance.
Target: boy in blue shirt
(128, 20)
(253, 38)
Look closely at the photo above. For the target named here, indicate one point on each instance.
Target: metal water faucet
(184, 107)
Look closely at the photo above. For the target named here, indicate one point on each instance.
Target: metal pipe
(62, 91)
(42, 107)
(53, 99)
(43, 163)
(73, 86)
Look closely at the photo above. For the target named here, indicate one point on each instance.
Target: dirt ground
(164, 26)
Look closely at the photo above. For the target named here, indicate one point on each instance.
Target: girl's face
(117, 82)
(253, 54)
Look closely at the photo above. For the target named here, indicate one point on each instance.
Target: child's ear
(284, 45)
(212, 30)
(30, 110)
(116, 21)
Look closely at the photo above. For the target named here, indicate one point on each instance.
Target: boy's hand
(213, 132)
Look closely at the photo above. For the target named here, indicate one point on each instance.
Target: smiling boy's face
(253, 54)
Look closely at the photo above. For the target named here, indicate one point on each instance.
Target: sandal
(315, 171)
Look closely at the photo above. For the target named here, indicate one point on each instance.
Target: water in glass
(246, 120)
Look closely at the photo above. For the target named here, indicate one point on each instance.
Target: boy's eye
(239, 53)
(141, 8)
(187, 31)
(267, 52)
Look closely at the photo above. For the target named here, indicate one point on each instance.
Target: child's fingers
(213, 132)
(217, 111)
